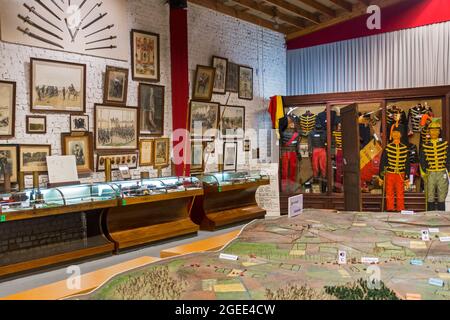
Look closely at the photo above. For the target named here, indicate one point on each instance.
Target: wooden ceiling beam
(272, 12)
(242, 15)
(343, 4)
(320, 7)
(295, 10)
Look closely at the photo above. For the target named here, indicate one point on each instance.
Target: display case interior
(232, 178)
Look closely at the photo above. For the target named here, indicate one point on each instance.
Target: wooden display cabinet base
(224, 218)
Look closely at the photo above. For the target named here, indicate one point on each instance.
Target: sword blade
(100, 40)
(100, 30)
(35, 36)
(48, 9)
(33, 10)
(101, 48)
(56, 5)
(82, 4)
(31, 23)
(94, 21)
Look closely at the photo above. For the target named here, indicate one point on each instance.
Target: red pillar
(180, 79)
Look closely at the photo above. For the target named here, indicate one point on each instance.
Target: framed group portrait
(162, 153)
(33, 158)
(151, 108)
(36, 125)
(203, 119)
(7, 109)
(232, 122)
(57, 86)
(245, 83)
(80, 146)
(9, 161)
(145, 56)
(116, 86)
(204, 83)
(220, 79)
(116, 128)
(146, 150)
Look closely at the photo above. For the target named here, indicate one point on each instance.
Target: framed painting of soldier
(57, 86)
(220, 80)
(9, 162)
(7, 109)
(151, 108)
(116, 86)
(204, 83)
(80, 146)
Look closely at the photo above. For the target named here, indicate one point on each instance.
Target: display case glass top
(157, 186)
(35, 199)
(233, 178)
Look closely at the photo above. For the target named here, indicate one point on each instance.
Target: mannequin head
(396, 136)
(435, 130)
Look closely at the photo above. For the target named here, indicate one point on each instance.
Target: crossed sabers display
(73, 34)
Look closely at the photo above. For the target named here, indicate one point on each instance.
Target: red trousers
(339, 179)
(289, 170)
(319, 162)
(395, 190)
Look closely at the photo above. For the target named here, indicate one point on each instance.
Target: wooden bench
(210, 244)
(89, 282)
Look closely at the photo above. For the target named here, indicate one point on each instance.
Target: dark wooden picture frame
(86, 122)
(159, 104)
(217, 122)
(152, 152)
(223, 117)
(54, 109)
(225, 156)
(107, 99)
(242, 94)
(135, 76)
(15, 164)
(12, 117)
(220, 89)
(29, 131)
(122, 157)
(21, 151)
(232, 77)
(116, 149)
(207, 87)
(195, 167)
(89, 159)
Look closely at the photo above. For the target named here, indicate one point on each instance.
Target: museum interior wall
(210, 34)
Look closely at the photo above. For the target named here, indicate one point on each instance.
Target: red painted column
(180, 81)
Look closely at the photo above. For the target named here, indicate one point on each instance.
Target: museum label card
(416, 262)
(445, 239)
(417, 245)
(408, 212)
(369, 260)
(295, 206)
(230, 257)
(436, 282)
(433, 230)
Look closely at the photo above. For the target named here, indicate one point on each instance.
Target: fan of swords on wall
(82, 26)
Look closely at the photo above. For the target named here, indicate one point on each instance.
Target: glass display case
(233, 178)
(35, 199)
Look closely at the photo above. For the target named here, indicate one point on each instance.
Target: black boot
(431, 206)
(441, 206)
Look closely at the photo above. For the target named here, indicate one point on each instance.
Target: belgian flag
(276, 110)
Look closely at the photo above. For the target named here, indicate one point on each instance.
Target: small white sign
(408, 213)
(62, 169)
(434, 230)
(295, 206)
(342, 258)
(231, 257)
(369, 260)
(425, 235)
(444, 239)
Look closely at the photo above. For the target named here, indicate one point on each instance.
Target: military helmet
(435, 124)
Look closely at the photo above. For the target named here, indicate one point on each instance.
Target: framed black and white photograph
(7, 109)
(232, 77)
(204, 119)
(245, 83)
(151, 108)
(79, 123)
(9, 162)
(220, 80)
(232, 122)
(33, 158)
(116, 86)
(36, 125)
(57, 86)
(81, 147)
(230, 153)
(197, 157)
(204, 83)
(162, 153)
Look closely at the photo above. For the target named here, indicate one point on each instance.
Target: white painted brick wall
(210, 33)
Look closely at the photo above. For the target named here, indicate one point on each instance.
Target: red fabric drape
(180, 78)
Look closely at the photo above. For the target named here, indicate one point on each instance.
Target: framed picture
(220, 79)
(197, 157)
(79, 123)
(203, 119)
(232, 77)
(162, 153)
(33, 158)
(145, 56)
(128, 159)
(151, 107)
(116, 86)
(7, 109)
(36, 125)
(247, 146)
(230, 152)
(125, 173)
(57, 86)
(9, 160)
(245, 83)
(146, 148)
(232, 122)
(80, 146)
(204, 83)
(116, 128)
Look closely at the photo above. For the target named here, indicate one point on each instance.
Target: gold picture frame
(146, 152)
(161, 153)
(81, 146)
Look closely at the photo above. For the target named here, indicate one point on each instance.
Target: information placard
(295, 206)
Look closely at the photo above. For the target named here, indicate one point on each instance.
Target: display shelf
(230, 197)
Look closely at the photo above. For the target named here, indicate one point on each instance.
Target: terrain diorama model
(318, 255)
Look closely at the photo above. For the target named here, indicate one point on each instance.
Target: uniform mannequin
(317, 142)
(307, 122)
(339, 157)
(395, 170)
(435, 162)
(290, 152)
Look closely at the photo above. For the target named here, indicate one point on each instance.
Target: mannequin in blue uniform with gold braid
(435, 162)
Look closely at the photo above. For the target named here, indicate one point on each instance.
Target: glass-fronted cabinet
(233, 178)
